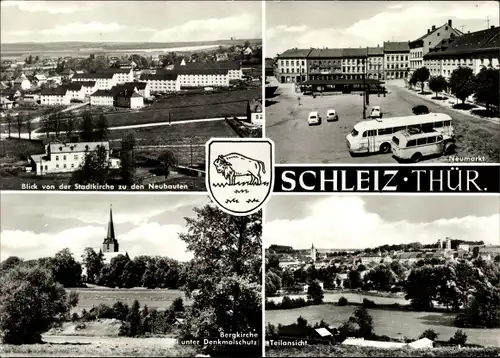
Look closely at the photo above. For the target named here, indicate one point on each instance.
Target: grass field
(155, 298)
(395, 324)
(343, 351)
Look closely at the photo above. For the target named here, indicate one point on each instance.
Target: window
(447, 123)
(438, 33)
(372, 133)
(411, 143)
(64, 166)
(440, 138)
(385, 131)
(46, 167)
(57, 166)
(72, 165)
(57, 157)
(438, 124)
(431, 140)
(395, 140)
(421, 141)
(64, 157)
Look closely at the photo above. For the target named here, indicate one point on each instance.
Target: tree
(273, 262)
(437, 84)
(70, 124)
(420, 75)
(32, 303)
(462, 83)
(94, 168)
(484, 309)
(249, 113)
(66, 270)
(287, 278)
(355, 280)
(429, 334)
(9, 262)
(273, 284)
(169, 161)
(57, 123)
(459, 337)
(178, 305)
(19, 123)
(28, 122)
(421, 288)
(134, 319)
(381, 278)
(364, 320)
(102, 127)
(488, 86)
(127, 160)
(9, 121)
(315, 292)
(93, 262)
(227, 271)
(87, 127)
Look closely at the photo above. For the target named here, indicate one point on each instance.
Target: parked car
(313, 118)
(420, 109)
(331, 115)
(376, 112)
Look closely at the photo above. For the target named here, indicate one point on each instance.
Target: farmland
(155, 298)
(393, 323)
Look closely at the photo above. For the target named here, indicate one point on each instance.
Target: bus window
(395, 140)
(438, 124)
(372, 133)
(364, 134)
(417, 126)
(411, 143)
(385, 131)
(431, 140)
(421, 141)
(354, 132)
(440, 138)
(447, 123)
(397, 129)
(427, 127)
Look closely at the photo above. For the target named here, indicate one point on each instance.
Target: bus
(415, 144)
(375, 136)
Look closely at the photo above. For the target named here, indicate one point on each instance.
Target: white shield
(239, 173)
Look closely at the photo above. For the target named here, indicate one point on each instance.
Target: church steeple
(110, 244)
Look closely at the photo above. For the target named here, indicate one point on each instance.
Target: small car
(313, 118)
(376, 112)
(331, 115)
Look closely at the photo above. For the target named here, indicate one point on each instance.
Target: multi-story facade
(128, 98)
(421, 46)
(75, 91)
(292, 66)
(396, 60)
(354, 62)
(54, 97)
(375, 63)
(162, 82)
(475, 50)
(324, 64)
(67, 157)
(210, 77)
(89, 87)
(102, 98)
(103, 81)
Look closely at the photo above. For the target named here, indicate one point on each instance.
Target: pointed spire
(111, 227)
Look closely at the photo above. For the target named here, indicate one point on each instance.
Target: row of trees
(463, 83)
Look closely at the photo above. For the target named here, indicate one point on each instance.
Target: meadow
(393, 323)
(153, 298)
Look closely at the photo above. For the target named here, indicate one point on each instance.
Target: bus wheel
(385, 148)
(417, 157)
(449, 148)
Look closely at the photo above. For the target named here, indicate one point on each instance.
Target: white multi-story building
(423, 44)
(292, 65)
(396, 60)
(75, 91)
(89, 87)
(475, 50)
(128, 98)
(67, 157)
(162, 82)
(103, 81)
(354, 61)
(140, 87)
(102, 98)
(214, 77)
(22, 82)
(55, 97)
(375, 63)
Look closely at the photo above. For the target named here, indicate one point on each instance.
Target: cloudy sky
(370, 221)
(39, 225)
(305, 24)
(129, 21)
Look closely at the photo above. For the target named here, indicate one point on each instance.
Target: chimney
(449, 23)
(492, 26)
(433, 27)
(428, 31)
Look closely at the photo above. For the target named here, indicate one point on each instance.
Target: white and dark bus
(375, 136)
(416, 144)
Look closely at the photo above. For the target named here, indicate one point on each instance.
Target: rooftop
(97, 75)
(325, 52)
(59, 91)
(56, 147)
(102, 93)
(295, 53)
(396, 47)
(160, 76)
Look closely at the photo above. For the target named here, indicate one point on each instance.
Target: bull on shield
(239, 173)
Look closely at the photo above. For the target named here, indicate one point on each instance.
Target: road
(297, 142)
(37, 135)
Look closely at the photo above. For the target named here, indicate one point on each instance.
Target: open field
(297, 142)
(395, 324)
(333, 297)
(345, 351)
(154, 298)
(69, 346)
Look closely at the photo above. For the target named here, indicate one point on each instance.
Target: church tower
(110, 244)
(313, 253)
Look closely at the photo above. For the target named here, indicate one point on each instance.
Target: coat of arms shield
(239, 173)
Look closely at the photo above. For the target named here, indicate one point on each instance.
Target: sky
(37, 225)
(366, 23)
(129, 21)
(369, 221)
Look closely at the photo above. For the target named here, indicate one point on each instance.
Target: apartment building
(292, 65)
(324, 64)
(375, 63)
(103, 80)
(234, 71)
(75, 91)
(88, 87)
(354, 62)
(55, 97)
(475, 50)
(162, 81)
(67, 157)
(102, 98)
(128, 98)
(22, 82)
(396, 60)
(422, 45)
(211, 77)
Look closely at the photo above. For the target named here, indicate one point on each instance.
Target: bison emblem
(239, 173)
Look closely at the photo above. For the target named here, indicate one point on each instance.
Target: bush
(74, 317)
(420, 109)
(369, 303)
(429, 334)
(343, 301)
(178, 305)
(105, 311)
(459, 338)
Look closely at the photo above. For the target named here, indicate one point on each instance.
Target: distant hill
(32, 47)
